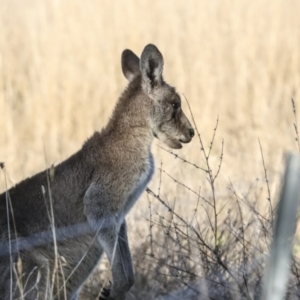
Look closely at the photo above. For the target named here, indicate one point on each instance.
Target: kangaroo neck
(130, 122)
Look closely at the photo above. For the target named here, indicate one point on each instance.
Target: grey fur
(84, 200)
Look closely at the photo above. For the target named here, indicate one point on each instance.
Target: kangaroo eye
(176, 105)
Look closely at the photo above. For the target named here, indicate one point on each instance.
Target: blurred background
(61, 75)
(235, 61)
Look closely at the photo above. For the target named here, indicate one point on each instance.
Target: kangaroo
(55, 226)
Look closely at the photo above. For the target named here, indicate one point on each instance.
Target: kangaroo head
(167, 120)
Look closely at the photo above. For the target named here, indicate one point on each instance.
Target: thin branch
(183, 159)
(266, 179)
(296, 124)
(189, 189)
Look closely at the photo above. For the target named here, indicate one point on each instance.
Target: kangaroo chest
(140, 186)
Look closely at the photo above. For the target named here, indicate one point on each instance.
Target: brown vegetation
(235, 61)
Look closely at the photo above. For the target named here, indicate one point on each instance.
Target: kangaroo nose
(192, 132)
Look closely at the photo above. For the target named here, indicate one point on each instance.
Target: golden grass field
(239, 61)
(61, 76)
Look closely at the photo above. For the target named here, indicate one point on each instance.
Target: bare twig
(150, 227)
(296, 124)
(221, 160)
(189, 189)
(183, 159)
(267, 181)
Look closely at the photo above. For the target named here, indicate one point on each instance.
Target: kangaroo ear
(130, 64)
(151, 65)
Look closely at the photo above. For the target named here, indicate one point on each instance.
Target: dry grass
(238, 61)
